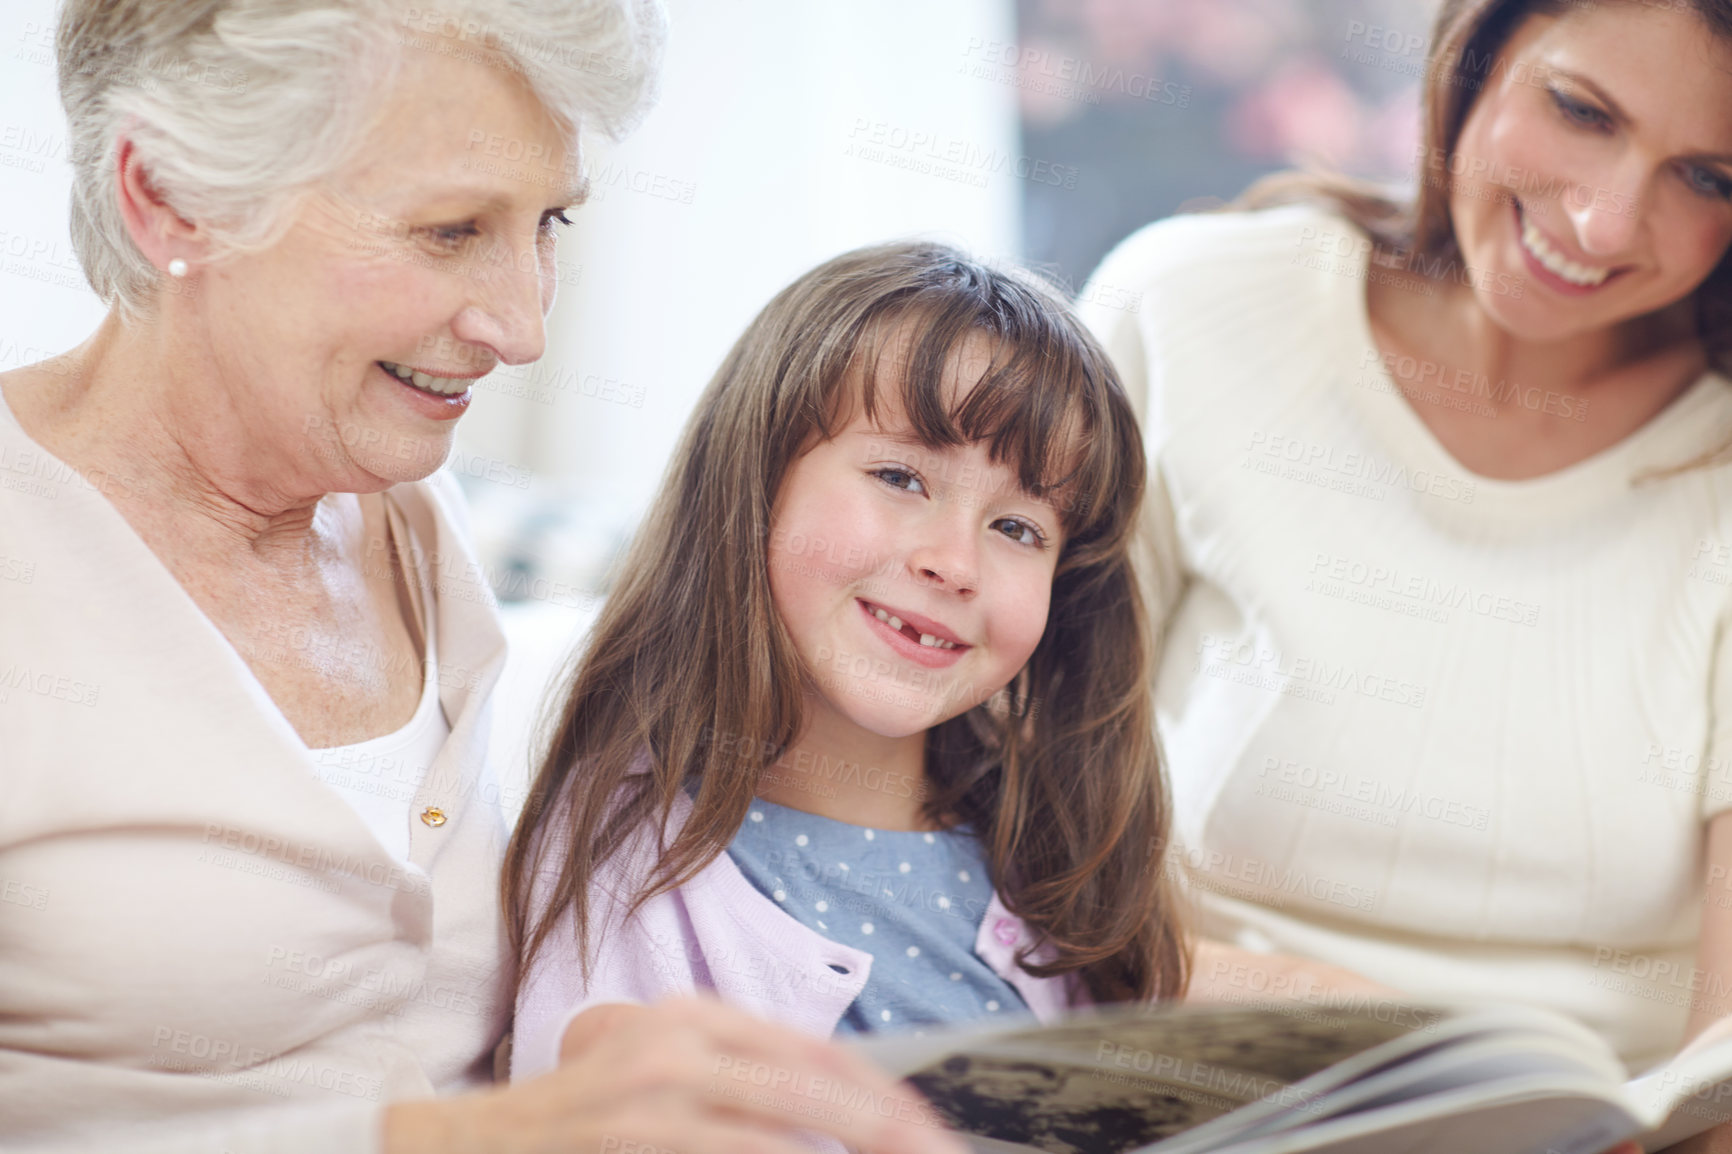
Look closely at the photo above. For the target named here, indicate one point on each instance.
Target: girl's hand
(685, 1076)
(1224, 973)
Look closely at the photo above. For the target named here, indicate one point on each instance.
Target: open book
(1378, 1077)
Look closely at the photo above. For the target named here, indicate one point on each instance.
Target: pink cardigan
(718, 933)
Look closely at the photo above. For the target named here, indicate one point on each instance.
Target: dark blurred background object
(1168, 105)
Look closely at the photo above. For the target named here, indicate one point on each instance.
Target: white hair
(235, 107)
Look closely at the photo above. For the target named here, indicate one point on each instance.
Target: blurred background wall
(789, 131)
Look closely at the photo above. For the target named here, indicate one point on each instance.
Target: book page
(1690, 1093)
(1538, 1117)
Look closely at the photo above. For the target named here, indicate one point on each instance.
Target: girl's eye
(899, 478)
(1020, 531)
(557, 216)
(1707, 182)
(1578, 113)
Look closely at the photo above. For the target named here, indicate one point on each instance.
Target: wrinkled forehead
(471, 122)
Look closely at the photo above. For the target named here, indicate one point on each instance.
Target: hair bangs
(1038, 403)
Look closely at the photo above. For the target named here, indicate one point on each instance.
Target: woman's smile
(443, 386)
(429, 400)
(1547, 263)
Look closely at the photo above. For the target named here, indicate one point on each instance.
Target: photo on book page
(1121, 1081)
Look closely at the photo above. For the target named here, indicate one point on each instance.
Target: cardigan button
(433, 816)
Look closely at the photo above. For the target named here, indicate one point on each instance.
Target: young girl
(863, 738)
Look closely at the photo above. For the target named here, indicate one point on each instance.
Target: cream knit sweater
(1457, 734)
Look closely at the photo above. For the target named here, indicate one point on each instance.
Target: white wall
(763, 101)
(45, 306)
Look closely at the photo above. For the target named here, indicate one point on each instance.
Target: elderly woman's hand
(667, 1078)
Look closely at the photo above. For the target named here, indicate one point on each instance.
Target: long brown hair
(1467, 39)
(1059, 774)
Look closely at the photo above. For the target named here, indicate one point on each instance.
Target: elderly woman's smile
(455, 388)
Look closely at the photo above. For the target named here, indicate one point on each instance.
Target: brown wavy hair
(1467, 39)
(1059, 774)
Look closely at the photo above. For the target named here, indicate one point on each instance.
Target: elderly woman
(249, 852)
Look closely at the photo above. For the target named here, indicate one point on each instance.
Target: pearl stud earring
(177, 267)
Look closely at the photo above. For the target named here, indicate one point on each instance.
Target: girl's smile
(918, 639)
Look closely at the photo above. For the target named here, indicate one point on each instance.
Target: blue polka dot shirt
(913, 900)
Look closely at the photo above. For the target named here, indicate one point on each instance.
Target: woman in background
(252, 593)
(1444, 554)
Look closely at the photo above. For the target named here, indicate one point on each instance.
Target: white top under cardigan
(1457, 734)
(202, 946)
(381, 776)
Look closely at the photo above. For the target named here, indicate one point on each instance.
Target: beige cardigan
(202, 946)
